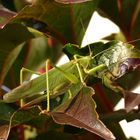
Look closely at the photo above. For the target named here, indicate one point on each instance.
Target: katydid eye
(123, 69)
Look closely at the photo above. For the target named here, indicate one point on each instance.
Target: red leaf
(4, 132)
(131, 100)
(71, 1)
(80, 112)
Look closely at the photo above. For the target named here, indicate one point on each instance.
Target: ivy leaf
(71, 1)
(80, 112)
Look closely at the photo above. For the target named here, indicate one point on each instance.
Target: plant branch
(119, 115)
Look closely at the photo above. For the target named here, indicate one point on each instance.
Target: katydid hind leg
(47, 86)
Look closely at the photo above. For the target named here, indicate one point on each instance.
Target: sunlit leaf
(80, 112)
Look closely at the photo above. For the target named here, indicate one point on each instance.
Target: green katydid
(58, 85)
(62, 79)
(104, 64)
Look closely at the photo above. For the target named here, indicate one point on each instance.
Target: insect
(107, 61)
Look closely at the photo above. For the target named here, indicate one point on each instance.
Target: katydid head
(120, 58)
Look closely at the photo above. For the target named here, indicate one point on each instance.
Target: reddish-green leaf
(126, 14)
(80, 112)
(11, 46)
(131, 100)
(65, 25)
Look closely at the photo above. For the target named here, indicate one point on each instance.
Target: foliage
(31, 33)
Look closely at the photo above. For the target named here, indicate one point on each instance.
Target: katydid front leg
(96, 70)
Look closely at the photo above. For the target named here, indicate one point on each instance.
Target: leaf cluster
(32, 32)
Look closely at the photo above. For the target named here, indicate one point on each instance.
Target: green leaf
(68, 28)
(11, 46)
(14, 52)
(20, 4)
(11, 116)
(6, 110)
(9, 61)
(25, 115)
(20, 115)
(80, 112)
(72, 49)
(39, 51)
